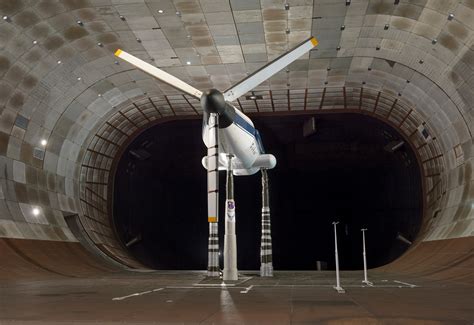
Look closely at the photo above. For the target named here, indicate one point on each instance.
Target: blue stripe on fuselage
(247, 127)
(244, 125)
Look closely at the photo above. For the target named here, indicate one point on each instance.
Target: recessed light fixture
(160, 11)
(178, 13)
(43, 142)
(35, 42)
(252, 97)
(35, 211)
(100, 44)
(421, 61)
(79, 78)
(6, 18)
(450, 16)
(122, 17)
(59, 62)
(188, 62)
(80, 23)
(100, 95)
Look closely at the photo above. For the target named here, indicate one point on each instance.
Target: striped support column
(213, 195)
(266, 261)
(213, 250)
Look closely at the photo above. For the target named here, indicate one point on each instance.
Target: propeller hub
(213, 101)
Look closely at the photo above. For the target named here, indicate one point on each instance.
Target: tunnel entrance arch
(387, 108)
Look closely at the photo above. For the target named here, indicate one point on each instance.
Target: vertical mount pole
(230, 272)
(366, 281)
(338, 287)
(213, 196)
(266, 255)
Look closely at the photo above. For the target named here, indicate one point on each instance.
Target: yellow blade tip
(314, 41)
(118, 52)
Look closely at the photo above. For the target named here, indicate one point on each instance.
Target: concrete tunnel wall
(69, 89)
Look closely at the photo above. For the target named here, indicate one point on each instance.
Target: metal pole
(338, 283)
(366, 281)
(213, 197)
(266, 260)
(230, 239)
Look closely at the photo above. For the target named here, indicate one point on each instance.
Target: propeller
(219, 114)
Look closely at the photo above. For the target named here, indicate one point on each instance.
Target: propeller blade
(159, 74)
(213, 169)
(264, 73)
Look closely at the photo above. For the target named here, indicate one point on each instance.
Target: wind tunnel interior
(353, 169)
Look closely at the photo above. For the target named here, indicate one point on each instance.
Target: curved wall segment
(59, 82)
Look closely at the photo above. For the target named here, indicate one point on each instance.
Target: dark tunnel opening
(346, 171)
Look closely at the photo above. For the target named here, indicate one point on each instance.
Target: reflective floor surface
(191, 298)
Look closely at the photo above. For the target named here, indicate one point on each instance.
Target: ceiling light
(79, 78)
(35, 42)
(386, 27)
(6, 18)
(100, 44)
(421, 61)
(138, 40)
(287, 6)
(100, 95)
(160, 11)
(178, 13)
(36, 211)
(80, 23)
(338, 48)
(434, 41)
(44, 142)
(188, 62)
(116, 62)
(287, 30)
(252, 97)
(59, 61)
(343, 27)
(348, 2)
(450, 16)
(122, 17)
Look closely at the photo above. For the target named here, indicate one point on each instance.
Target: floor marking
(407, 284)
(247, 289)
(137, 294)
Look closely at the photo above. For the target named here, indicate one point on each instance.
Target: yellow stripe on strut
(314, 41)
(118, 52)
(211, 219)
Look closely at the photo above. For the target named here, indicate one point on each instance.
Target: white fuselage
(241, 140)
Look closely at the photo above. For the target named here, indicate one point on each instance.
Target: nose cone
(213, 101)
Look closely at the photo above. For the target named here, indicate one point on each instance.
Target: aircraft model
(227, 132)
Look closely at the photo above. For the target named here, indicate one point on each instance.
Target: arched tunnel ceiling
(61, 82)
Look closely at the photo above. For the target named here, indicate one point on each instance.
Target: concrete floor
(188, 297)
